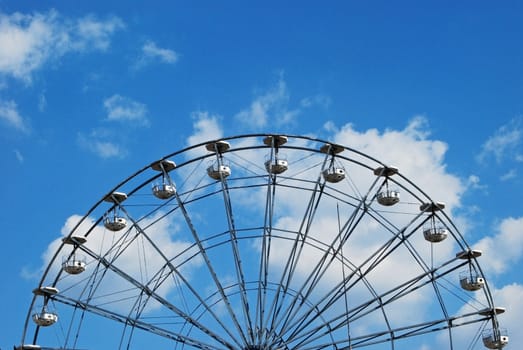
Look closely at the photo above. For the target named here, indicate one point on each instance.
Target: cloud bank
(29, 41)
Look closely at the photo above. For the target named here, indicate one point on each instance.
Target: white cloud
(91, 32)
(153, 53)
(42, 102)
(474, 182)
(28, 41)
(411, 150)
(504, 143)
(269, 108)
(107, 142)
(316, 100)
(503, 248)
(206, 127)
(98, 142)
(511, 174)
(120, 108)
(9, 114)
(19, 156)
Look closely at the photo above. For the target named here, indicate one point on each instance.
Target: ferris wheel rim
(180, 204)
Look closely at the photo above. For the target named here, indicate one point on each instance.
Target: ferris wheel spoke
(317, 272)
(295, 255)
(173, 270)
(365, 268)
(375, 304)
(240, 276)
(144, 289)
(416, 330)
(147, 326)
(263, 272)
(214, 276)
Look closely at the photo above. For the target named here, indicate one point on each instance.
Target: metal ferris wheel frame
(264, 241)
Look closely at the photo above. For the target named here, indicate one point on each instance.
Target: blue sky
(91, 92)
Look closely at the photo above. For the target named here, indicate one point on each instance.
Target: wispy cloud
(270, 107)
(511, 174)
(19, 156)
(504, 143)
(99, 143)
(273, 107)
(42, 102)
(153, 53)
(109, 141)
(206, 127)
(9, 115)
(91, 32)
(321, 100)
(29, 41)
(124, 109)
(474, 182)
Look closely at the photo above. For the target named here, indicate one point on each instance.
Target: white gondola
(471, 281)
(164, 190)
(388, 197)
(218, 172)
(495, 339)
(74, 264)
(276, 166)
(45, 318)
(333, 174)
(435, 233)
(114, 223)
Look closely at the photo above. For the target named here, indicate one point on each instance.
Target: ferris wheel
(267, 242)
